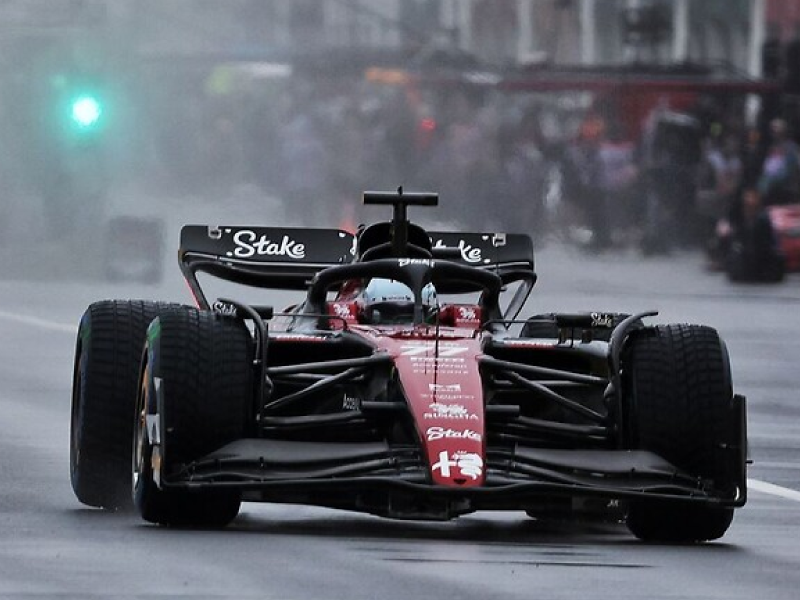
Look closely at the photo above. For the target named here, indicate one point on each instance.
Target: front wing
(374, 477)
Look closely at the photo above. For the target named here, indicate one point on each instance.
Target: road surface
(51, 547)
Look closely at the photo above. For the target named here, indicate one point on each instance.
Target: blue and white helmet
(388, 301)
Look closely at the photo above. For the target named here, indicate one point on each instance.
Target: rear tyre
(195, 396)
(678, 404)
(107, 356)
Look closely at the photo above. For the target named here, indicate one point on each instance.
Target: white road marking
(37, 322)
(773, 490)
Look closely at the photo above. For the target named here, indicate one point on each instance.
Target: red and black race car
(398, 388)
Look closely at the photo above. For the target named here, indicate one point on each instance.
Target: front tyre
(678, 402)
(105, 376)
(195, 396)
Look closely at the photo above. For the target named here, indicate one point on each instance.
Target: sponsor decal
(297, 337)
(469, 253)
(444, 387)
(465, 464)
(602, 320)
(351, 403)
(224, 308)
(404, 262)
(442, 365)
(343, 310)
(460, 315)
(443, 397)
(527, 343)
(437, 359)
(442, 433)
(445, 350)
(248, 244)
(467, 313)
(449, 412)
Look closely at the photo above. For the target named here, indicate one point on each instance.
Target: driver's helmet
(389, 302)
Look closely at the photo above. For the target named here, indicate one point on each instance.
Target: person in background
(582, 175)
(779, 182)
(304, 163)
(617, 179)
(722, 173)
(752, 154)
(748, 240)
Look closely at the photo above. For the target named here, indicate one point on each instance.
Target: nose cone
(443, 387)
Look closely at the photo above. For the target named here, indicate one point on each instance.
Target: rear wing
(268, 257)
(288, 258)
(498, 251)
(510, 255)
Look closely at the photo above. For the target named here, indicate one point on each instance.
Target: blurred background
(597, 123)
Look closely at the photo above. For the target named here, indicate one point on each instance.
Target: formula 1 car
(396, 387)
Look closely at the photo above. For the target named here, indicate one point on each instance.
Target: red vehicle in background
(786, 222)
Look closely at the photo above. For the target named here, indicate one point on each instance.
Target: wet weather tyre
(197, 386)
(105, 377)
(678, 404)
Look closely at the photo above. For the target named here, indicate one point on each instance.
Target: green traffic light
(86, 111)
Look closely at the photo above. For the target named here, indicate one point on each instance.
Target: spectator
(671, 151)
(752, 154)
(747, 240)
(617, 177)
(582, 173)
(780, 174)
(726, 164)
(305, 167)
(522, 177)
(721, 175)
